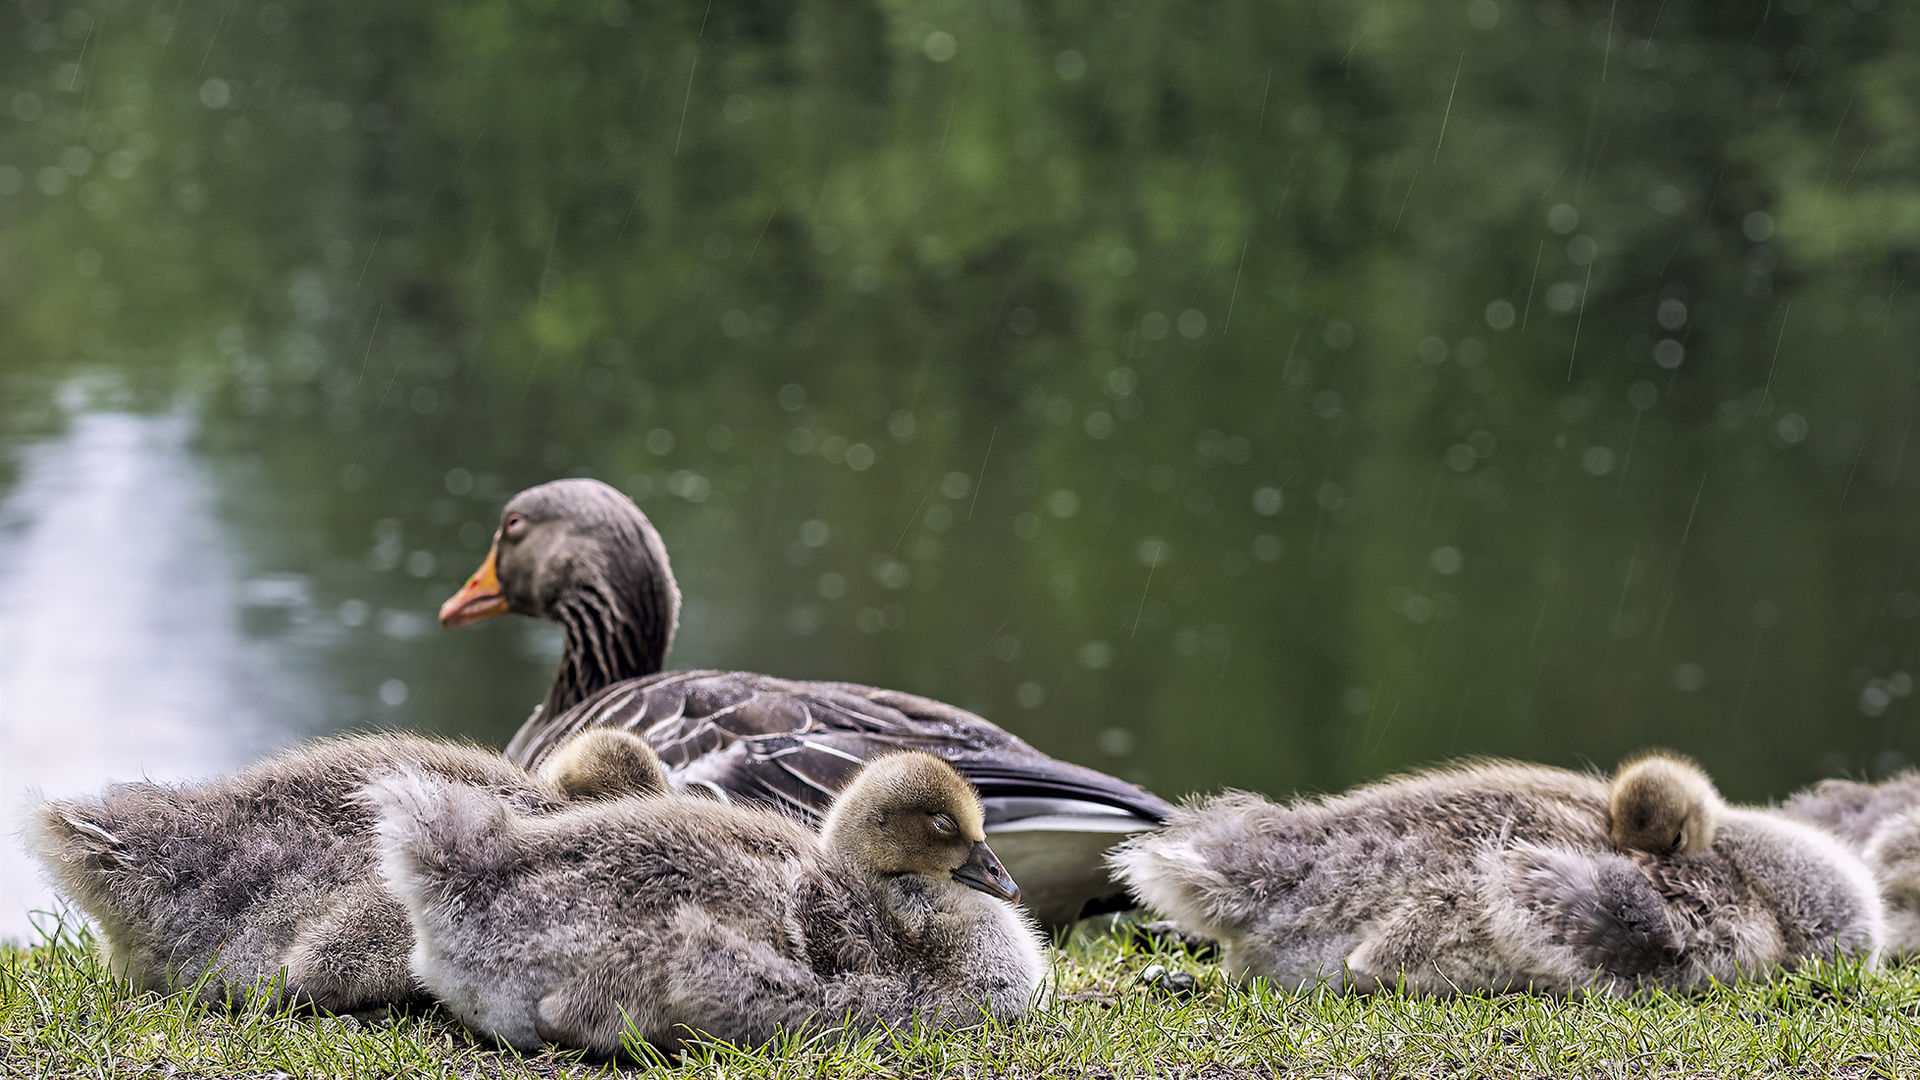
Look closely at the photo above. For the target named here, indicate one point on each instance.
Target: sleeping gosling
(266, 881)
(683, 914)
(1880, 822)
(1662, 803)
(1364, 888)
(1499, 877)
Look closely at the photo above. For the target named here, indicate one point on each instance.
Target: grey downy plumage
(683, 913)
(266, 880)
(581, 554)
(1881, 822)
(1503, 876)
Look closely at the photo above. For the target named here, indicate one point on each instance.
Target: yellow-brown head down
(1662, 803)
(605, 763)
(911, 813)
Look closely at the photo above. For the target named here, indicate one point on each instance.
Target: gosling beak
(983, 871)
(479, 599)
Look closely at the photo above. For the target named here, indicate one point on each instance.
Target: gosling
(687, 915)
(1501, 877)
(266, 882)
(1361, 889)
(1881, 823)
(1662, 804)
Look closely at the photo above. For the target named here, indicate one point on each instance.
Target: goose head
(1663, 804)
(605, 763)
(911, 813)
(581, 554)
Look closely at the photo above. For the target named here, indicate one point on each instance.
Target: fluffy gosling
(688, 915)
(266, 880)
(1662, 804)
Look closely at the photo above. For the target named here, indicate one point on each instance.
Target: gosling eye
(1678, 837)
(944, 825)
(515, 525)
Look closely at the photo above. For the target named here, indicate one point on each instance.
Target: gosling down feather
(1502, 876)
(581, 554)
(266, 881)
(682, 914)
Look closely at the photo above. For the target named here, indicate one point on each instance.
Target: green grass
(62, 1015)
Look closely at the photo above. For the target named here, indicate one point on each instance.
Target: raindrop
(792, 397)
(1029, 695)
(738, 109)
(1765, 613)
(660, 442)
(1326, 404)
(1026, 526)
(1460, 457)
(891, 573)
(1500, 315)
(941, 46)
(1758, 226)
(1666, 199)
(1121, 382)
(1063, 503)
(353, 612)
(459, 481)
(1193, 323)
(1791, 428)
(1643, 395)
(1070, 65)
(1689, 677)
(901, 424)
(1338, 335)
(1447, 560)
(1356, 700)
(1597, 460)
(860, 457)
(1433, 350)
(215, 94)
(1005, 648)
(1099, 424)
(1672, 314)
(832, 586)
(815, 533)
(1095, 655)
(1267, 501)
(955, 485)
(1668, 353)
(1122, 261)
(1153, 326)
(1116, 742)
(421, 563)
(1562, 296)
(1267, 547)
(393, 692)
(1152, 551)
(1563, 219)
(1875, 697)
(1581, 249)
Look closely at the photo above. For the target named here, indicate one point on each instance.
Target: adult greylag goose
(675, 914)
(581, 554)
(1503, 876)
(265, 881)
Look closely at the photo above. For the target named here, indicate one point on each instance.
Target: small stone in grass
(1168, 983)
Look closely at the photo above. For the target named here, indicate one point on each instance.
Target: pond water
(1260, 395)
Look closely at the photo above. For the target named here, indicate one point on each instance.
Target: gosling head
(605, 763)
(910, 813)
(1663, 804)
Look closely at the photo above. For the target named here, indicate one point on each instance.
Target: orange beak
(478, 600)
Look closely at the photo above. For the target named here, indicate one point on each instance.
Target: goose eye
(945, 825)
(1679, 836)
(515, 525)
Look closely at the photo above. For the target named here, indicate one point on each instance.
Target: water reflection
(129, 645)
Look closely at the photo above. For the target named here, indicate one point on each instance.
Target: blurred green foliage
(1266, 394)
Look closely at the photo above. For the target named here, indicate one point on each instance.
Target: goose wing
(794, 744)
